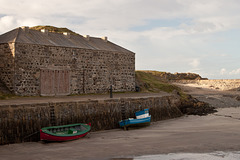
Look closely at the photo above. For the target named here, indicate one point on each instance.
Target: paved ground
(24, 100)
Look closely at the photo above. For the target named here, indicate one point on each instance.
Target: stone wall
(91, 71)
(22, 122)
(7, 65)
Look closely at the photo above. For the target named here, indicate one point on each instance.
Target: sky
(198, 36)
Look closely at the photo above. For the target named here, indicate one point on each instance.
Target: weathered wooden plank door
(47, 82)
(62, 82)
(55, 82)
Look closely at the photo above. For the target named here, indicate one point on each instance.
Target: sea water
(193, 156)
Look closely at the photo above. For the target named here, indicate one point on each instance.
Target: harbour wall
(22, 122)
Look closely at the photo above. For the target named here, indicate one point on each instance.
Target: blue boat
(142, 118)
(142, 114)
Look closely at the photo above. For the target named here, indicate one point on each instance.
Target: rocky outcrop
(176, 76)
(185, 76)
(192, 106)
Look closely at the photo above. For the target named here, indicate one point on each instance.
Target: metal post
(111, 95)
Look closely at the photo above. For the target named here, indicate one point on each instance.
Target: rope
(30, 135)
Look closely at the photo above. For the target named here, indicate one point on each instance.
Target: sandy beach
(188, 134)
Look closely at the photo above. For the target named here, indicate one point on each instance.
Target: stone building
(45, 63)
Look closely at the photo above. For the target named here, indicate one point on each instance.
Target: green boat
(65, 132)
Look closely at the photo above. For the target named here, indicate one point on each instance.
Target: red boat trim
(46, 135)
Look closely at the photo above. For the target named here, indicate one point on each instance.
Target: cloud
(235, 72)
(194, 63)
(103, 15)
(223, 71)
(7, 22)
(175, 36)
(125, 14)
(12, 22)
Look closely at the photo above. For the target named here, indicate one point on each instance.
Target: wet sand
(194, 134)
(219, 155)
(188, 134)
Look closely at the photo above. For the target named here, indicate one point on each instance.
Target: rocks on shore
(192, 106)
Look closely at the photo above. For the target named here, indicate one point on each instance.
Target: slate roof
(20, 35)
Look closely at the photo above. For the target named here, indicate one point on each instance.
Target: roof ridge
(31, 36)
(17, 35)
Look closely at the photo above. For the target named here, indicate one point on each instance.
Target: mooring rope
(30, 135)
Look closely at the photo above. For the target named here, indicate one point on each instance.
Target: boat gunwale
(128, 122)
(144, 111)
(86, 126)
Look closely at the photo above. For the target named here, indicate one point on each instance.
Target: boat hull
(46, 133)
(135, 122)
(48, 137)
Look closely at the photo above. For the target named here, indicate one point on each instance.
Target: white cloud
(194, 63)
(231, 74)
(235, 72)
(178, 47)
(6, 22)
(105, 14)
(12, 22)
(223, 71)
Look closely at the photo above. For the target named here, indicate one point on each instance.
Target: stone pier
(21, 122)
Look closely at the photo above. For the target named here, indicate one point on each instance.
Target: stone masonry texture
(38, 68)
(7, 65)
(90, 71)
(22, 122)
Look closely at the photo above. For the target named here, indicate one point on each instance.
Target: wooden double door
(55, 82)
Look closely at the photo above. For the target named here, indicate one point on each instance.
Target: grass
(155, 73)
(6, 96)
(53, 29)
(149, 81)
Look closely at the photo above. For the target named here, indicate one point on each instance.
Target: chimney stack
(45, 31)
(105, 39)
(67, 34)
(87, 37)
(25, 29)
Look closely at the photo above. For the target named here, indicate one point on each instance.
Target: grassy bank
(150, 81)
(53, 29)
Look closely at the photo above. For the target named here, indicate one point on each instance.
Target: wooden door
(47, 82)
(55, 82)
(62, 82)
